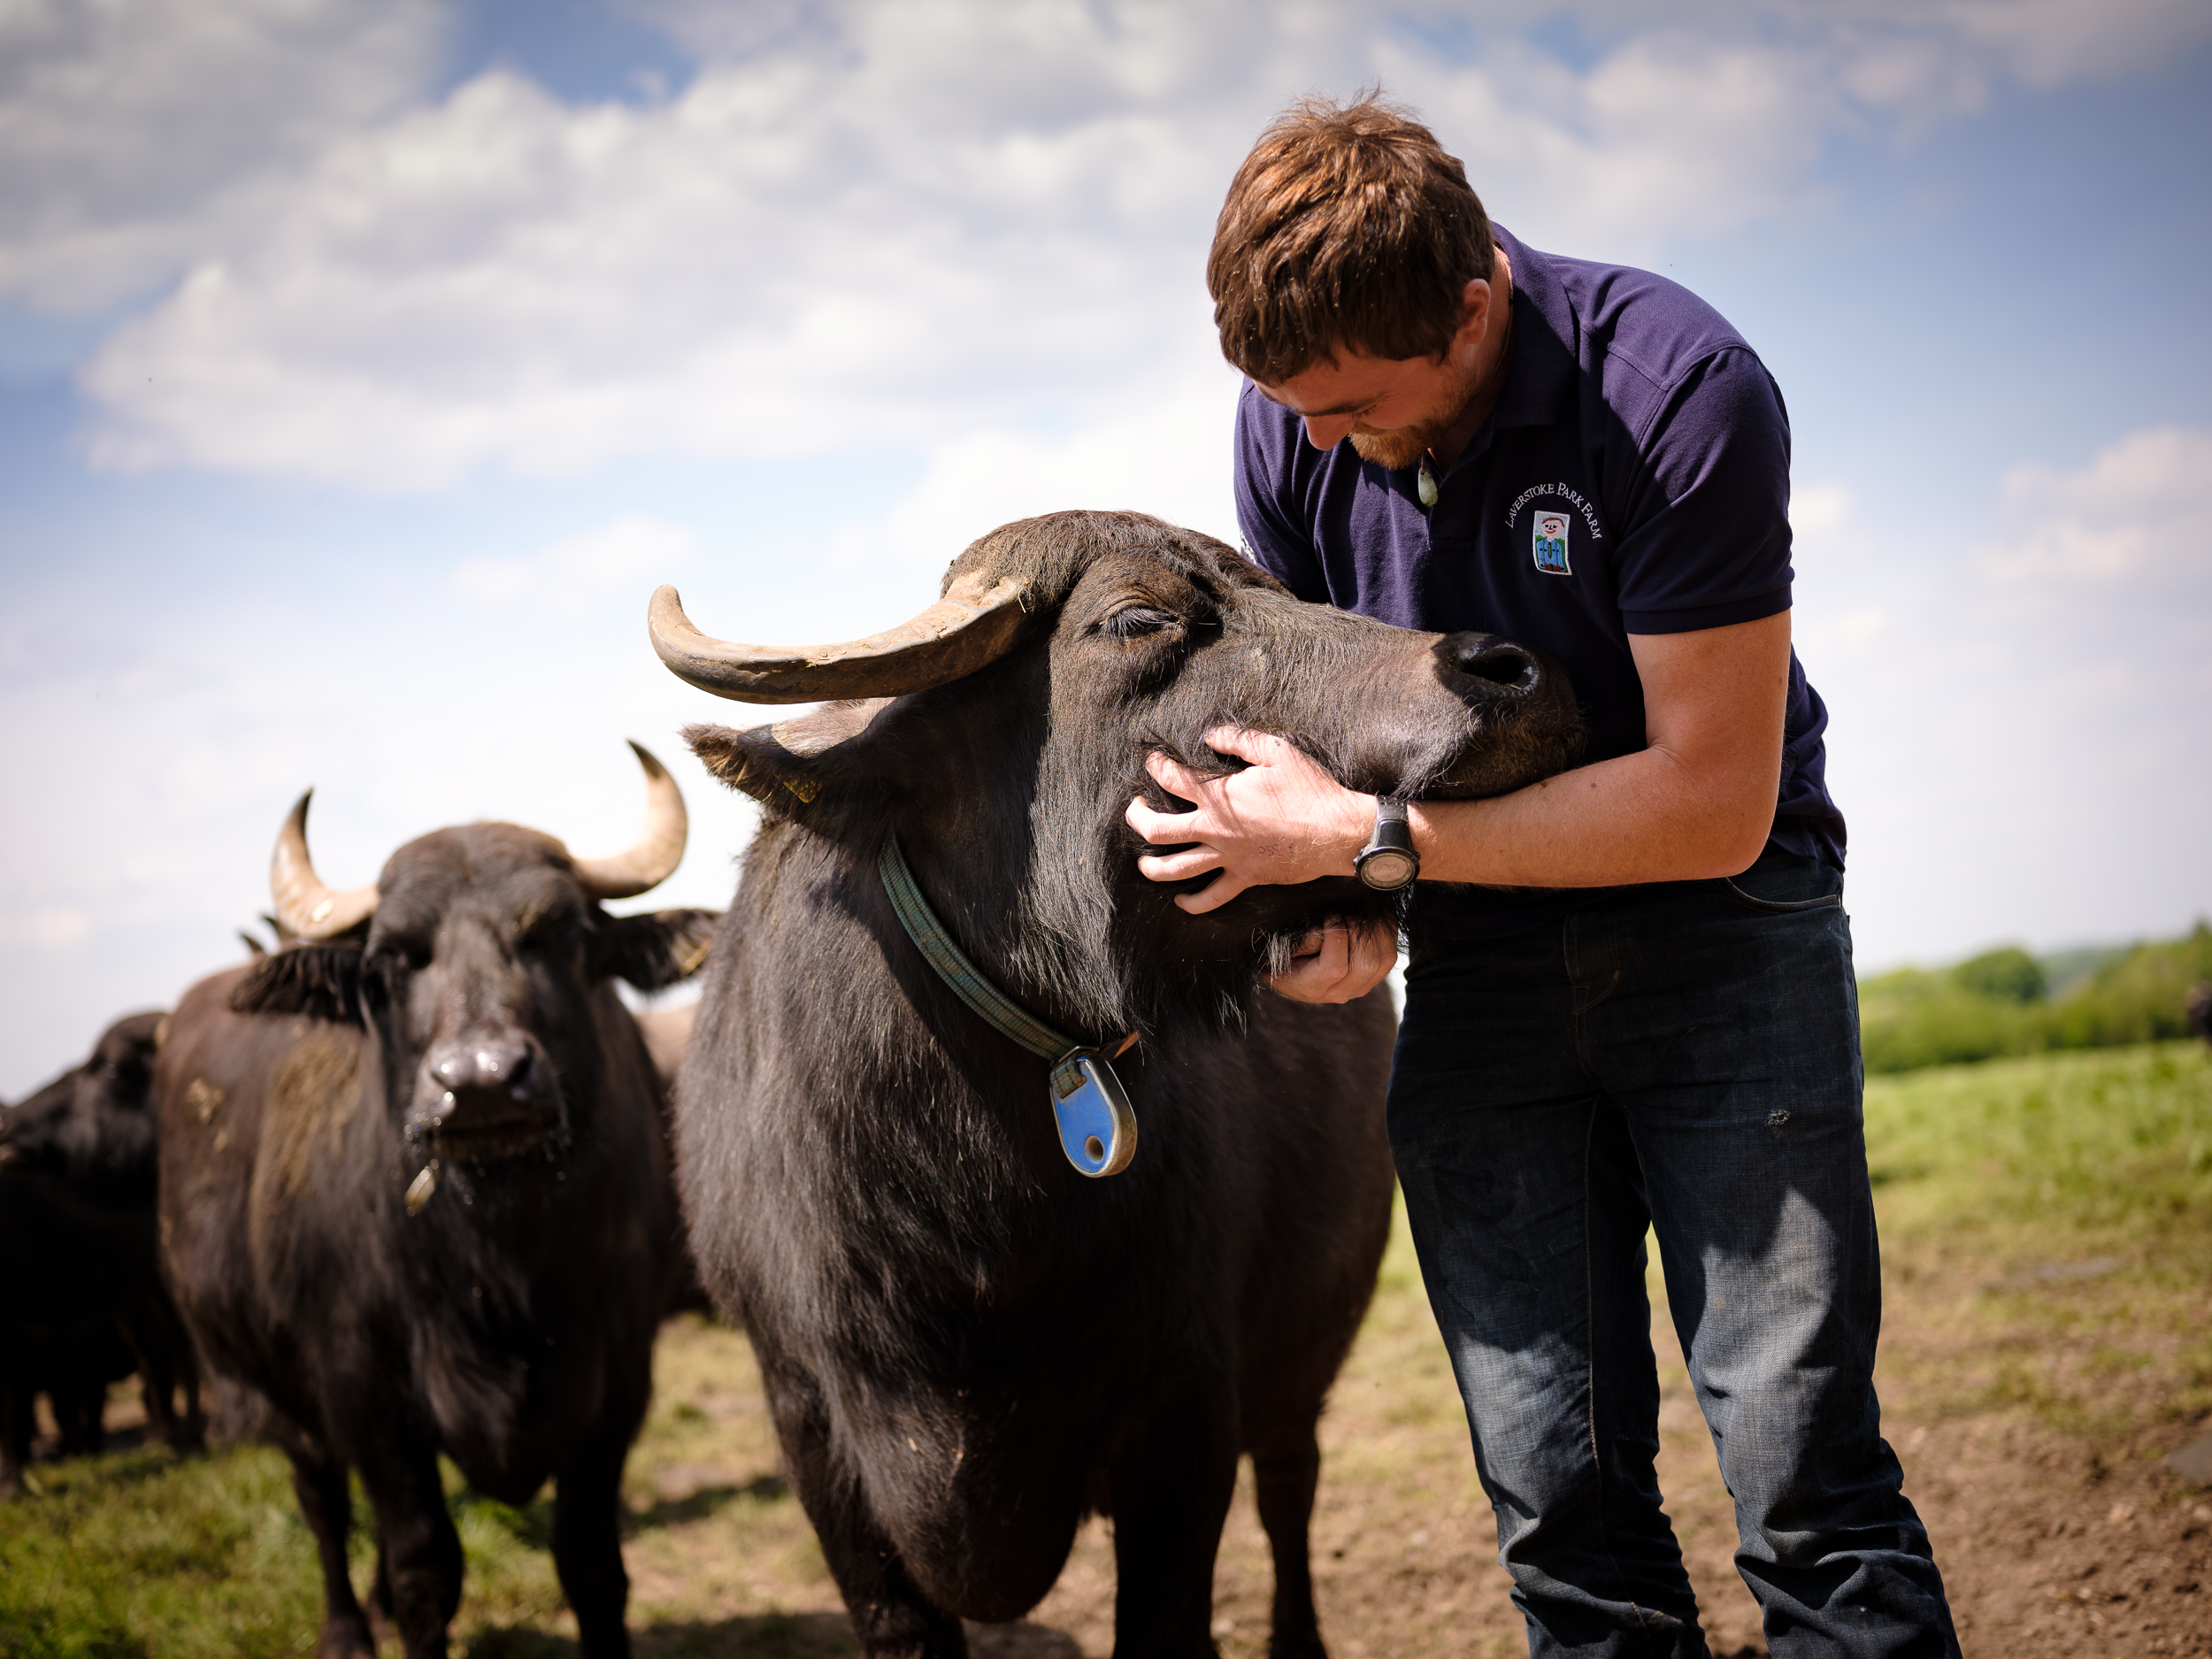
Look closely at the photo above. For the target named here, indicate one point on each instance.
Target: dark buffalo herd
(81, 1302)
(423, 1189)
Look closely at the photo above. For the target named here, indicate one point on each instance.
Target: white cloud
(2045, 41)
(180, 738)
(49, 927)
(581, 573)
(1169, 456)
(2141, 510)
(137, 137)
(1669, 135)
(2015, 735)
(878, 224)
(1822, 510)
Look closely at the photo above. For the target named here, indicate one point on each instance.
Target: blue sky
(363, 368)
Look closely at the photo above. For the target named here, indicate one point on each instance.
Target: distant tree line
(2006, 1001)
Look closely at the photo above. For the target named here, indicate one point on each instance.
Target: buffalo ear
(783, 766)
(653, 950)
(320, 981)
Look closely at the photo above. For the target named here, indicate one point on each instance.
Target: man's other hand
(1337, 965)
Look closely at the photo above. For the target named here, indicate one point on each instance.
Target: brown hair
(1347, 225)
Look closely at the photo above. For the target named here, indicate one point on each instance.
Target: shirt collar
(1540, 374)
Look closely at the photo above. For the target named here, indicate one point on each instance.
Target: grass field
(2048, 1235)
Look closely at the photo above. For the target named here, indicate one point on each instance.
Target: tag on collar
(1098, 1131)
(1425, 485)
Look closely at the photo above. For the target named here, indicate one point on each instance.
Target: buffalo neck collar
(1097, 1128)
(968, 983)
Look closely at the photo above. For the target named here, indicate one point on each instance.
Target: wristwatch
(1388, 861)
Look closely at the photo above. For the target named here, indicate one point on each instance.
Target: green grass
(2052, 1218)
(2110, 1149)
(135, 1553)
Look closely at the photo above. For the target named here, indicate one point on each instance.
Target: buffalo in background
(81, 1302)
(415, 1192)
(966, 1344)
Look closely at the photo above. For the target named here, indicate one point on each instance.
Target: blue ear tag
(1098, 1131)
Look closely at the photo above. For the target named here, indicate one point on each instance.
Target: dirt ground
(2054, 1545)
(2051, 1547)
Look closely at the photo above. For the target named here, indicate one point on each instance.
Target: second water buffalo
(415, 1192)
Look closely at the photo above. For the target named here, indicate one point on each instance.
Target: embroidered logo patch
(1551, 543)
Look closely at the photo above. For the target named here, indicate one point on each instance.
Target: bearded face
(1402, 446)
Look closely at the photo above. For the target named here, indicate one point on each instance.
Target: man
(1643, 1013)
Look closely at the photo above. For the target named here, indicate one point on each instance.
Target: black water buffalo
(966, 1344)
(81, 1303)
(415, 1191)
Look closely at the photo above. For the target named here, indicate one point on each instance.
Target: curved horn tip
(660, 847)
(666, 609)
(303, 904)
(293, 829)
(979, 620)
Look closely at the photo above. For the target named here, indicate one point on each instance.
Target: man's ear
(653, 950)
(320, 981)
(783, 766)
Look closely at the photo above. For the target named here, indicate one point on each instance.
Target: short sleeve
(1710, 543)
(1275, 534)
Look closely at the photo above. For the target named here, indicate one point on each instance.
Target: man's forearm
(1647, 816)
(1697, 802)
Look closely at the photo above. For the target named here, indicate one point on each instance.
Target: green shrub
(2006, 975)
(1993, 1006)
(1913, 1017)
(2137, 999)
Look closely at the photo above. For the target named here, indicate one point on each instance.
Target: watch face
(1387, 868)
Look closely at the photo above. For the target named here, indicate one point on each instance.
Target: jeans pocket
(1782, 884)
(1779, 907)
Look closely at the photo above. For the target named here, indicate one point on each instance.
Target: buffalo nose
(1494, 662)
(484, 1066)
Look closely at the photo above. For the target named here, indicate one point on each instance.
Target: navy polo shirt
(1633, 478)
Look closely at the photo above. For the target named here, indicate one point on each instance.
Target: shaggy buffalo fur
(966, 1345)
(500, 1312)
(77, 1172)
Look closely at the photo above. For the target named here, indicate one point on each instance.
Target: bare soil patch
(2054, 1545)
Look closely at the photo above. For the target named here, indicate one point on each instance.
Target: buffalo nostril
(1496, 663)
(501, 1063)
(482, 1065)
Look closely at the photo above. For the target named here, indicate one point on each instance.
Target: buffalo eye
(555, 931)
(394, 954)
(1132, 622)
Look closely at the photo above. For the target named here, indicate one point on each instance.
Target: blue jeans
(1684, 1056)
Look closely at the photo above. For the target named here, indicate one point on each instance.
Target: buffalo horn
(303, 904)
(658, 849)
(975, 622)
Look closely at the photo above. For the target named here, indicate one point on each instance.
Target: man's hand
(1337, 965)
(1281, 821)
